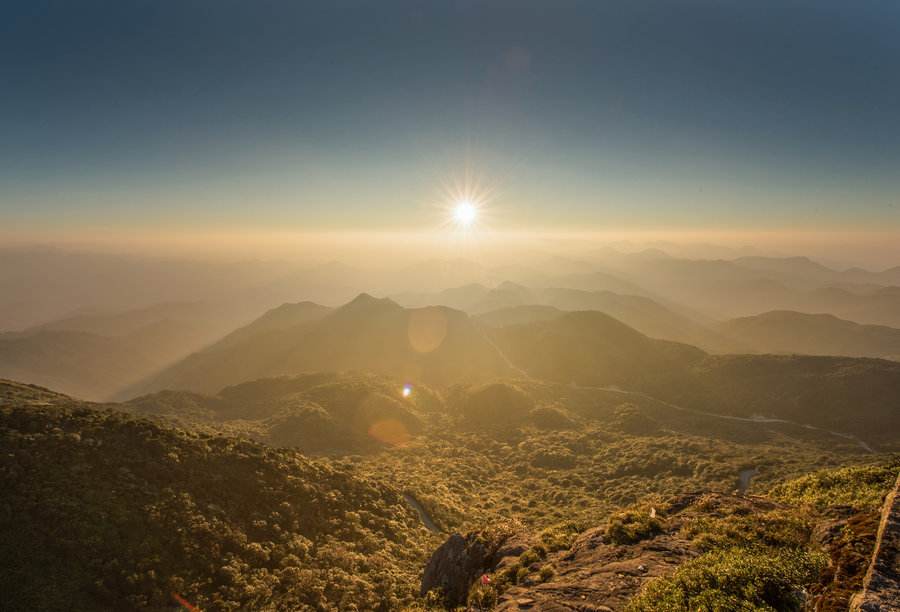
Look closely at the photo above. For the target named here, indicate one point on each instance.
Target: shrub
(631, 526)
(434, 599)
(560, 536)
(482, 596)
(521, 574)
(861, 487)
(734, 579)
(547, 572)
(775, 528)
(529, 557)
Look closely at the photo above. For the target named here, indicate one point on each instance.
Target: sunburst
(466, 206)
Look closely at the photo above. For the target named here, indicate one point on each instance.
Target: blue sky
(354, 114)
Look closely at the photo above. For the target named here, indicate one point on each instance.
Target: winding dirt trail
(744, 478)
(426, 519)
(506, 360)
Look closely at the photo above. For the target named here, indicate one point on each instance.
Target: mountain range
(435, 345)
(786, 331)
(439, 346)
(94, 356)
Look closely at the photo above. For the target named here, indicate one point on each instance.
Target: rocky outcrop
(461, 560)
(606, 567)
(881, 587)
(599, 575)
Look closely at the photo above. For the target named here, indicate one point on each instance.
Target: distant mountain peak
(297, 305)
(653, 253)
(511, 286)
(366, 301)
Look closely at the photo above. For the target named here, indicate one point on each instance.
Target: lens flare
(426, 329)
(390, 432)
(407, 390)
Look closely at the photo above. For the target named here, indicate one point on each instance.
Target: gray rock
(461, 560)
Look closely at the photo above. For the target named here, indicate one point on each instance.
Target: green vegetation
(861, 487)
(482, 597)
(779, 527)
(444, 347)
(634, 525)
(495, 405)
(559, 536)
(842, 394)
(734, 579)
(127, 512)
(194, 502)
(769, 559)
(316, 413)
(466, 478)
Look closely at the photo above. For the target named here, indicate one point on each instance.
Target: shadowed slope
(642, 313)
(591, 348)
(95, 356)
(105, 511)
(813, 334)
(245, 354)
(435, 345)
(320, 413)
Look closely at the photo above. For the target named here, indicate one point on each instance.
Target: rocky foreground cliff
(805, 546)
(881, 586)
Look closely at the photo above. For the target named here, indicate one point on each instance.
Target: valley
(323, 457)
(466, 306)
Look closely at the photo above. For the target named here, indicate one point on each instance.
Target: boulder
(462, 559)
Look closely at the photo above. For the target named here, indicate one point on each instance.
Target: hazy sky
(306, 115)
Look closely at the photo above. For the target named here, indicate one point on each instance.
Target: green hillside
(847, 395)
(315, 413)
(105, 511)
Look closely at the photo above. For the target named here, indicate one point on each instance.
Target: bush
(560, 536)
(775, 528)
(482, 596)
(434, 599)
(861, 487)
(547, 572)
(529, 557)
(734, 579)
(632, 526)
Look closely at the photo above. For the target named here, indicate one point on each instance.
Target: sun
(465, 208)
(464, 213)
